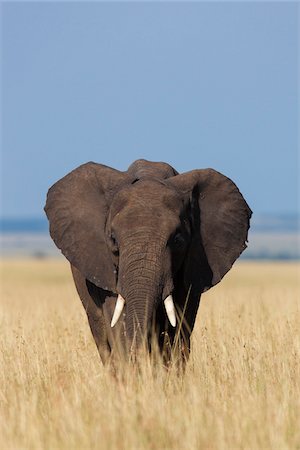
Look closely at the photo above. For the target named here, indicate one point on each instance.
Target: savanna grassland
(241, 388)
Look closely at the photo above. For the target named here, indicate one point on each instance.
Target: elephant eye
(178, 240)
(114, 243)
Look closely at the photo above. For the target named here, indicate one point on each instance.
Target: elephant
(144, 245)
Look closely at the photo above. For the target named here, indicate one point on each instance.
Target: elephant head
(150, 239)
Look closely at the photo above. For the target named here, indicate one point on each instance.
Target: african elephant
(143, 246)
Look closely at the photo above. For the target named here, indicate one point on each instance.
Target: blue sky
(193, 84)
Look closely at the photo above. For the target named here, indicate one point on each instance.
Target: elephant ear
(221, 218)
(77, 207)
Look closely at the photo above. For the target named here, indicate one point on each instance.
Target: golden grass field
(241, 389)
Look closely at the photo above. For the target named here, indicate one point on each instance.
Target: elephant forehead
(155, 192)
(147, 199)
(150, 219)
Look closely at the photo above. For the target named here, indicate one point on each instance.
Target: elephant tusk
(118, 310)
(170, 310)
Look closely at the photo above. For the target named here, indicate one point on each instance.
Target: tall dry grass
(241, 388)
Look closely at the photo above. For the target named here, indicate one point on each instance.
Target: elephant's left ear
(77, 208)
(221, 219)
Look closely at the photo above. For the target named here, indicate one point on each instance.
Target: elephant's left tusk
(118, 310)
(170, 310)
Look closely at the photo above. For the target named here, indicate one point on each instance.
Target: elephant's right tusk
(118, 310)
(170, 310)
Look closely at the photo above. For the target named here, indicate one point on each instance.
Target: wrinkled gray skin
(145, 234)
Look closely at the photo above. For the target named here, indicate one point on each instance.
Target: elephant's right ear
(77, 207)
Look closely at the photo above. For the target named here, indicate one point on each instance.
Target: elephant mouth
(168, 304)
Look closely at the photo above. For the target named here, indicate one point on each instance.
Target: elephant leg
(173, 343)
(115, 335)
(187, 306)
(174, 347)
(92, 302)
(96, 324)
(188, 320)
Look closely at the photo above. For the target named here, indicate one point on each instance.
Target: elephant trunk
(140, 283)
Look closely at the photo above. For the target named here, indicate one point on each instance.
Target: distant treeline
(259, 223)
(23, 225)
(275, 222)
